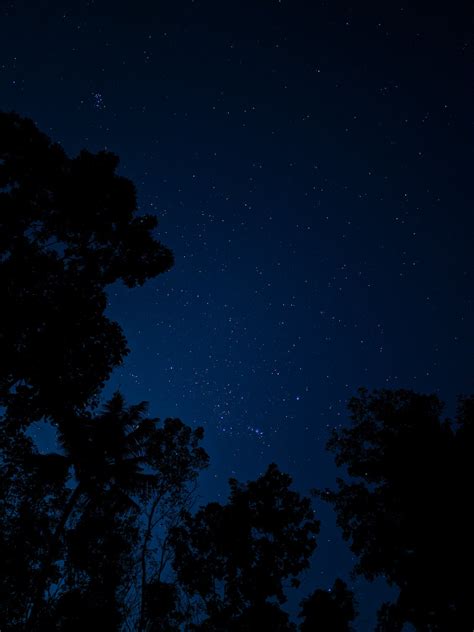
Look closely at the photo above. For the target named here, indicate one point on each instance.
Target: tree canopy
(101, 531)
(69, 227)
(333, 610)
(405, 509)
(236, 557)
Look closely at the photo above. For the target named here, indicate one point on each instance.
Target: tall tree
(405, 509)
(98, 560)
(127, 468)
(69, 227)
(235, 558)
(32, 496)
(106, 452)
(177, 458)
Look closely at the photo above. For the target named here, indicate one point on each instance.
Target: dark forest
(106, 530)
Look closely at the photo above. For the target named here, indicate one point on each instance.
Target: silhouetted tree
(107, 455)
(99, 560)
(127, 469)
(177, 458)
(161, 610)
(406, 508)
(235, 558)
(99, 535)
(329, 611)
(68, 229)
(32, 496)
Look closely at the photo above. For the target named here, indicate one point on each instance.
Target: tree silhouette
(99, 559)
(32, 495)
(234, 558)
(161, 611)
(68, 228)
(106, 453)
(100, 534)
(125, 466)
(406, 508)
(332, 611)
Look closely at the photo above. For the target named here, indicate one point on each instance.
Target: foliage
(329, 610)
(405, 509)
(32, 494)
(68, 229)
(236, 557)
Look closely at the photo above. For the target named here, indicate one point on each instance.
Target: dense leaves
(332, 610)
(68, 228)
(32, 495)
(406, 511)
(235, 557)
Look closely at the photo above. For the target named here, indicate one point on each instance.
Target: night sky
(311, 166)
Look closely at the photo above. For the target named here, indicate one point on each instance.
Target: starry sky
(311, 166)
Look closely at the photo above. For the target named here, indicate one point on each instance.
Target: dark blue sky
(311, 164)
